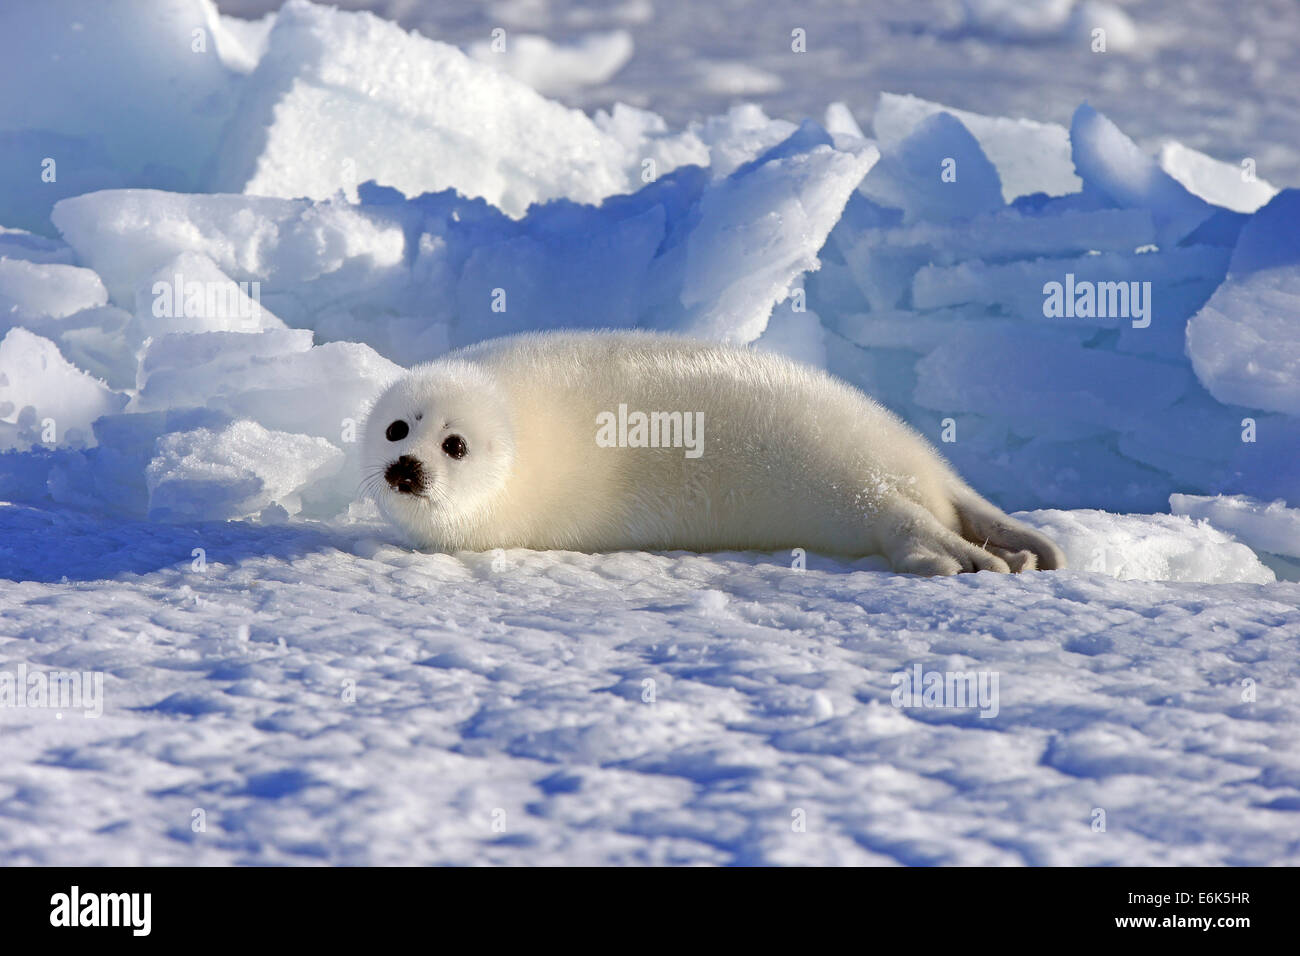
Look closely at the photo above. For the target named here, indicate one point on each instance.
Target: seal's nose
(405, 476)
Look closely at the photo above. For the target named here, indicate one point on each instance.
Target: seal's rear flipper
(1017, 561)
(986, 525)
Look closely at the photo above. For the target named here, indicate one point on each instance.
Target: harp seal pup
(548, 441)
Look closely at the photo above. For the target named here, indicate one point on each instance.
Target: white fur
(791, 458)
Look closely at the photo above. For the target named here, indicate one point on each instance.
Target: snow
(433, 119)
(125, 235)
(551, 68)
(274, 377)
(752, 240)
(1219, 183)
(513, 688)
(1265, 526)
(1245, 342)
(195, 316)
(29, 247)
(737, 79)
(1151, 547)
(938, 173)
(46, 397)
(190, 294)
(1054, 389)
(206, 475)
(1030, 157)
(1018, 20)
(1040, 20)
(100, 77)
(1111, 163)
(35, 290)
(731, 249)
(1118, 30)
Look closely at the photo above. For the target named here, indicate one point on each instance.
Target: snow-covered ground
(630, 708)
(219, 238)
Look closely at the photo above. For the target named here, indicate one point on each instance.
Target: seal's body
(626, 440)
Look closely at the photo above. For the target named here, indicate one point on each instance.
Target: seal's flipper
(915, 542)
(983, 523)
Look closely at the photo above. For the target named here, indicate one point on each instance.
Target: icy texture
(518, 683)
(120, 94)
(552, 68)
(1265, 526)
(127, 236)
(1037, 20)
(1030, 157)
(1245, 343)
(1112, 164)
(685, 253)
(937, 173)
(206, 475)
(242, 42)
(190, 294)
(340, 98)
(752, 240)
(1222, 184)
(929, 294)
(277, 378)
(1150, 547)
(30, 290)
(737, 79)
(43, 398)
(839, 121)
(1018, 19)
(1054, 390)
(21, 244)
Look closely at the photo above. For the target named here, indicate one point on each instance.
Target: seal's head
(438, 448)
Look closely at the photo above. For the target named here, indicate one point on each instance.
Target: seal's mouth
(406, 476)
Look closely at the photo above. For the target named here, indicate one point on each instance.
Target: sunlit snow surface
(292, 687)
(1216, 75)
(511, 690)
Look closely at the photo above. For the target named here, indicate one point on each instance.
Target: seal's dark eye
(455, 447)
(397, 431)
